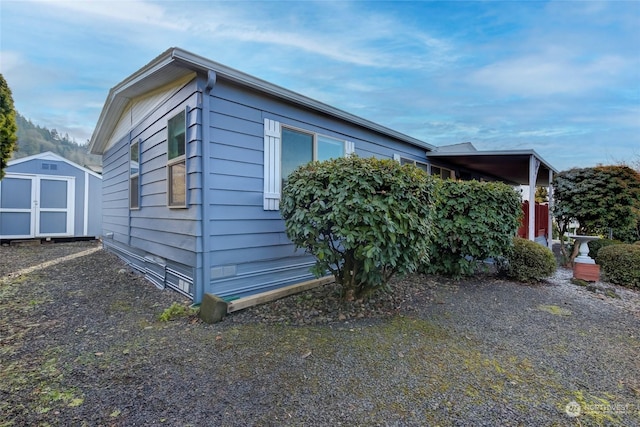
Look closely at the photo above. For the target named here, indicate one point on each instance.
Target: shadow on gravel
(82, 344)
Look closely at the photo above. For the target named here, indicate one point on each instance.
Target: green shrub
(176, 311)
(596, 245)
(473, 221)
(527, 261)
(364, 219)
(621, 264)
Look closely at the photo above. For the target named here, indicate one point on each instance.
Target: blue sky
(562, 78)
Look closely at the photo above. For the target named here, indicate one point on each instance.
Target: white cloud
(544, 75)
(11, 61)
(131, 12)
(371, 40)
(515, 74)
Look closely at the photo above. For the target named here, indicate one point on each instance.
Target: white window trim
(273, 157)
(177, 160)
(134, 175)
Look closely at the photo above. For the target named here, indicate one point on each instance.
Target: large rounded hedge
(621, 264)
(473, 221)
(528, 261)
(364, 219)
(596, 245)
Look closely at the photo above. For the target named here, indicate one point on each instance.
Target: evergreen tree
(601, 199)
(8, 127)
(33, 139)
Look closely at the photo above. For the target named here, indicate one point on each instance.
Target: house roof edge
(117, 98)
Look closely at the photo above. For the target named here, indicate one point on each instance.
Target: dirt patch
(82, 344)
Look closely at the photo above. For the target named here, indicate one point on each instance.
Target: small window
(329, 148)
(285, 149)
(419, 165)
(176, 161)
(134, 175)
(299, 148)
(443, 173)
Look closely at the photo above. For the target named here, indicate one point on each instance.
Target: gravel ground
(81, 343)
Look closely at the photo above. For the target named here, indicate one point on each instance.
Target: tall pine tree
(8, 127)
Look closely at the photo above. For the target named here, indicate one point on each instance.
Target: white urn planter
(584, 266)
(583, 241)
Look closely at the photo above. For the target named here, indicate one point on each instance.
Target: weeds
(177, 311)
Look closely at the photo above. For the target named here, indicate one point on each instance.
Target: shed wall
(87, 197)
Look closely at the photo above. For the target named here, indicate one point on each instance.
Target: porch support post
(551, 203)
(534, 164)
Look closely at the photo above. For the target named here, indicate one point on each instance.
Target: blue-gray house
(48, 196)
(194, 154)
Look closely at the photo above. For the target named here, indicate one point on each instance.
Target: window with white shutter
(286, 148)
(271, 165)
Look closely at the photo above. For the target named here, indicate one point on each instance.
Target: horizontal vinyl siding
(249, 247)
(154, 238)
(238, 227)
(242, 234)
(115, 193)
(154, 227)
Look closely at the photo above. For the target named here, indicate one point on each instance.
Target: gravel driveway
(81, 343)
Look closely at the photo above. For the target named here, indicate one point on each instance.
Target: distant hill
(33, 139)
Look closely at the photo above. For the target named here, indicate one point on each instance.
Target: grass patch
(555, 310)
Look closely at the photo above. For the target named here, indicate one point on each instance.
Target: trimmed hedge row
(472, 221)
(596, 245)
(366, 219)
(621, 264)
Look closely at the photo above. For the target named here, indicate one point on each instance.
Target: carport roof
(510, 166)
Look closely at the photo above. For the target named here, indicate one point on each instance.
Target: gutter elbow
(211, 80)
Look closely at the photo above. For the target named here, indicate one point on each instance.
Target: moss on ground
(417, 361)
(409, 369)
(555, 310)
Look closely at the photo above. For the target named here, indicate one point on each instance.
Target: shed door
(36, 206)
(16, 207)
(54, 206)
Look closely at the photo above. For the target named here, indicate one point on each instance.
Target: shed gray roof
(50, 156)
(175, 63)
